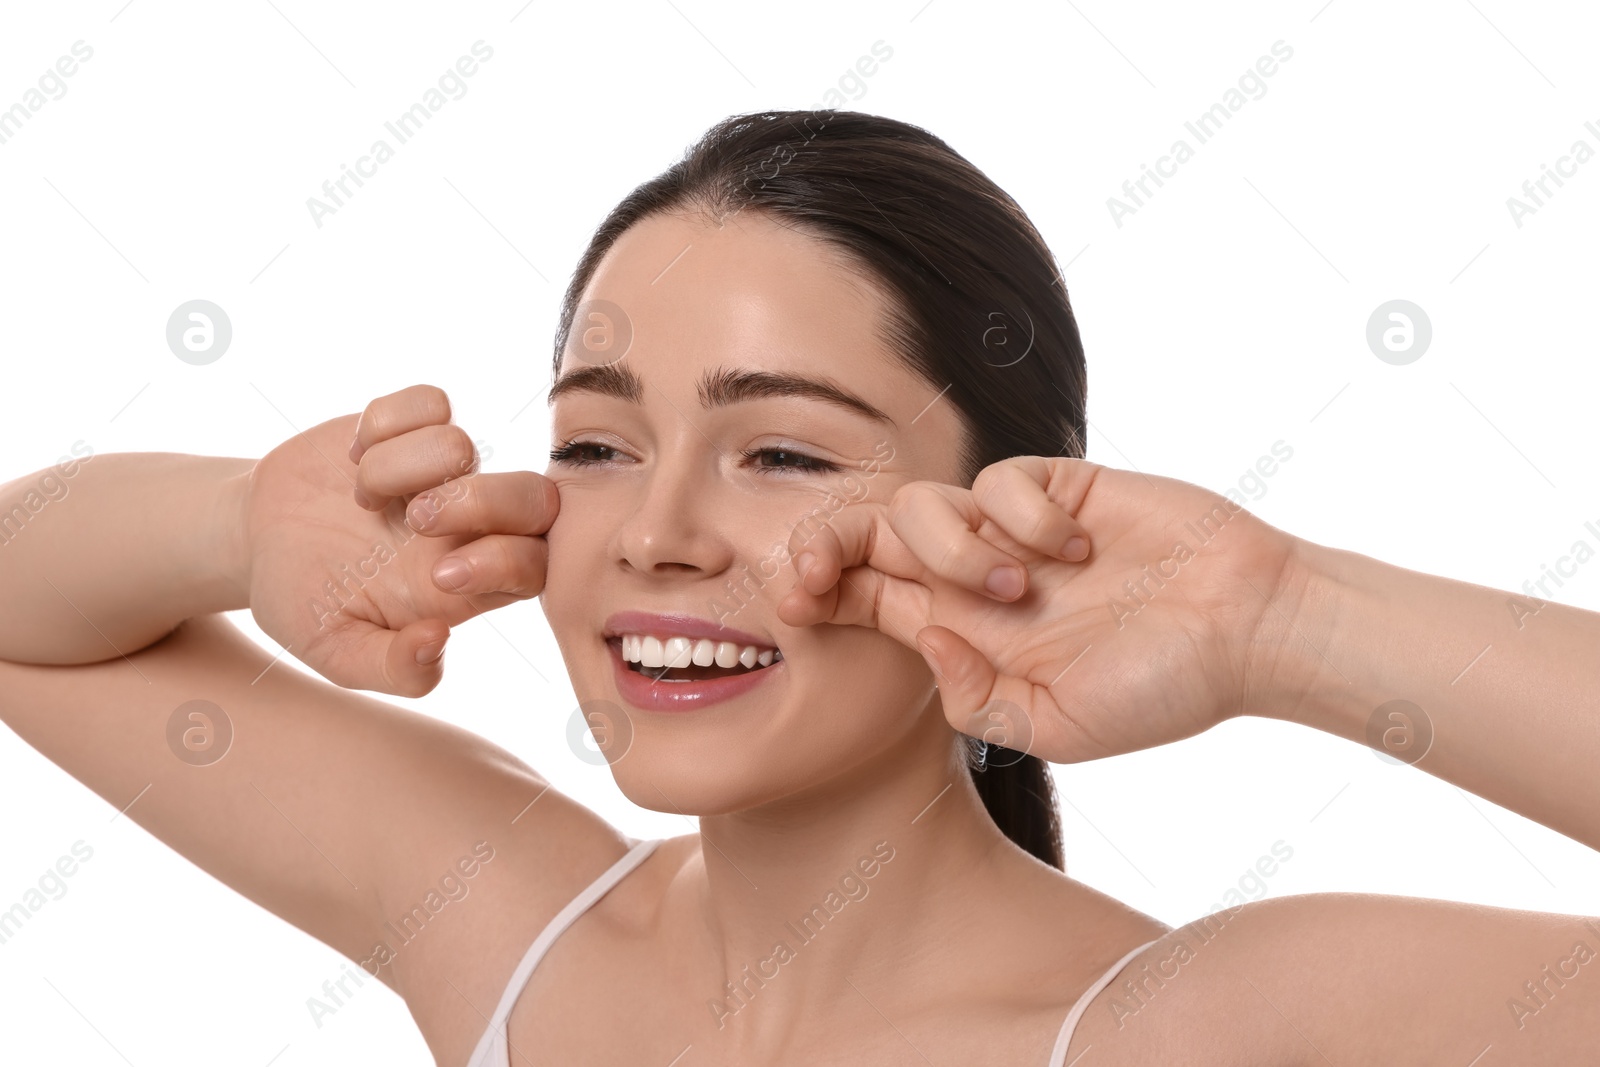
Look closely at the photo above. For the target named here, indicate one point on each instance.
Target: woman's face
(683, 484)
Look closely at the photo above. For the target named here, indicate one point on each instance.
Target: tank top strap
(492, 1050)
(1058, 1055)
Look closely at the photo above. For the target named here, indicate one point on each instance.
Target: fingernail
(803, 563)
(1075, 548)
(430, 653)
(422, 513)
(355, 450)
(451, 573)
(1004, 582)
(362, 500)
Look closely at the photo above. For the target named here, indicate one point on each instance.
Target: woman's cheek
(565, 545)
(773, 562)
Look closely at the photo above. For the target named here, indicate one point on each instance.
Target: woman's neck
(881, 868)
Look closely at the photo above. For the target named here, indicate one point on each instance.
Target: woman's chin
(694, 786)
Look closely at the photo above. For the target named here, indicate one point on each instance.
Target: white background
(1227, 313)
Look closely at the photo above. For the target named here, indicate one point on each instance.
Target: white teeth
(650, 651)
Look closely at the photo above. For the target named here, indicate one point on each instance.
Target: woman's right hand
(345, 541)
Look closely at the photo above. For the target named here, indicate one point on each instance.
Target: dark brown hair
(979, 309)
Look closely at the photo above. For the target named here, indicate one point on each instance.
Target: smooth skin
(973, 950)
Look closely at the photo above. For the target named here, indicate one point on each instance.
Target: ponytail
(1020, 796)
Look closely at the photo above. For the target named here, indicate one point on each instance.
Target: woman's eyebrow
(717, 387)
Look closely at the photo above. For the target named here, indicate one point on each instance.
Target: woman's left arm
(1151, 609)
(1497, 692)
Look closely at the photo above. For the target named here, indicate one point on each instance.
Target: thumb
(964, 676)
(372, 657)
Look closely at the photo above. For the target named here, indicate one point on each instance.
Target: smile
(674, 673)
(675, 659)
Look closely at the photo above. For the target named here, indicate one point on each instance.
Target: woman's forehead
(747, 265)
(680, 293)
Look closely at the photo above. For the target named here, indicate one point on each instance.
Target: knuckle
(947, 559)
(428, 401)
(383, 415)
(518, 501)
(533, 570)
(457, 450)
(390, 415)
(1043, 525)
(545, 497)
(829, 544)
(501, 559)
(375, 425)
(472, 512)
(995, 483)
(517, 563)
(987, 481)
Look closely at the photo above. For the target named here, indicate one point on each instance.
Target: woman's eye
(592, 453)
(788, 459)
(581, 453)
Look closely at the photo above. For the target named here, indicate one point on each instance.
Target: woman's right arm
(335, 810)
(139, 542)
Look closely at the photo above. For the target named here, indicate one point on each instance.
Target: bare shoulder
(1356, 978)
(454, 986)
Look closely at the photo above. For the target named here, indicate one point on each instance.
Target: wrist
(230, 548)
(1298, 649)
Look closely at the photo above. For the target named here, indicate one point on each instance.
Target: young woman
(828, 572)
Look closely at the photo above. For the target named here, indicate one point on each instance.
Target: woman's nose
(678, 523)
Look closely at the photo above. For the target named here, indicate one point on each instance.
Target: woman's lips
(641, 691)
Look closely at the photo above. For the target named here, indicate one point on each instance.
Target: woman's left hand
(1153, 630)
